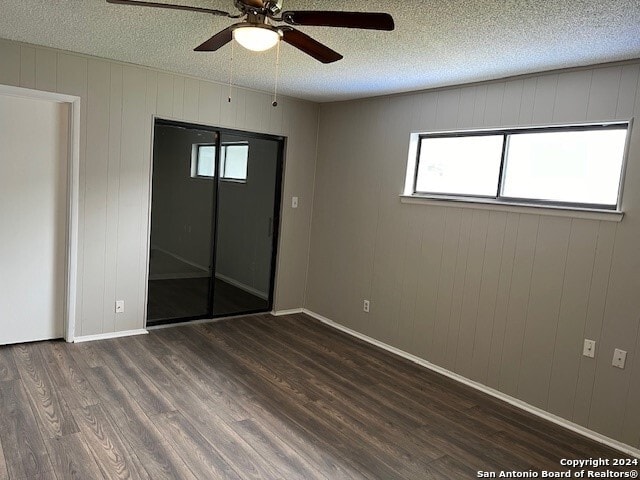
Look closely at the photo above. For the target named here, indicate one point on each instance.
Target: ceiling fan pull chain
(275, 90)
(231, 72)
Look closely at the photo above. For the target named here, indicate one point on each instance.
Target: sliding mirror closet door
(214, 222)
(248, 205)
(182, 223)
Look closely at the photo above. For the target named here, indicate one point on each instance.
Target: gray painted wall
(503, 298)
(118, 102)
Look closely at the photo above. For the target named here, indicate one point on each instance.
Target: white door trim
(73, 188)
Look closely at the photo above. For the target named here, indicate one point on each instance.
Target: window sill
(463, 202)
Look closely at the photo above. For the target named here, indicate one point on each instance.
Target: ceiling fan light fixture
(256, 38)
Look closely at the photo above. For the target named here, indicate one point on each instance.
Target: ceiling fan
(257, 31)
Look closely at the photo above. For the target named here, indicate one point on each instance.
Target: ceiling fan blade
(220, 39)
(370, 21)
(308, 45)
(138, 3)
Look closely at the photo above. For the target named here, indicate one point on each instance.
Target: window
(573, 166)
(233, 161)
(204, 157)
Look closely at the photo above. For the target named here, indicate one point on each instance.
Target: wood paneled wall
(118, 102)
(503, 298)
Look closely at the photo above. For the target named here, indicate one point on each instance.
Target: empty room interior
(293, 239)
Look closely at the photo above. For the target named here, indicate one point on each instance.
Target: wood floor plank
(48, 403)
(205, 460)
(148, 395)
(67, 374)
(8, 369)
(24, 451)
(105, 443)
(151, 448)
(72, 459)
(4, 474)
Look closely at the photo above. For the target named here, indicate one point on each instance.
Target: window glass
(460, 165)
(206, 161)
(580, 167)
(234, 162)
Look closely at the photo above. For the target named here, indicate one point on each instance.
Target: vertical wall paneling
(527, 102)
(191, 99)
(567, 346)
(543, 307)
(599, 285)
(130, 217)
(178, 97)
(572, 96)
(544, 100)
(470, 297)
(493, 108)
(46, 68)
(165, 94)
(507, 260)
(430, 262)
(458, 291)
(209, 103)
(27, 67)
(448, 262)
(95, 219)
(503, 298)
(151, 98)
(488, 295)
(466, 108)
(71, 79)
(10, 61)
(511, 102)
(603, 98)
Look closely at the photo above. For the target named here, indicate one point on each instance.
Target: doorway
(214, 222)
(34, 166)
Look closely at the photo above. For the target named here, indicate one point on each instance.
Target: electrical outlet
(119, 306)
(294, 202)
(589, 349)
(365, 306)
(619, 358)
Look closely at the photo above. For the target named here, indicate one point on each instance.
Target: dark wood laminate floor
(260, 398)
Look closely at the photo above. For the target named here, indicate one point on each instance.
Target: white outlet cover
(619, 358)
(119, 306)
(294, 202)
(589, 349)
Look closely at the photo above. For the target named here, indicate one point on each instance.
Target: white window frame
(409, 194)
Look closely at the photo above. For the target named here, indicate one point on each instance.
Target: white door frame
(73, 188)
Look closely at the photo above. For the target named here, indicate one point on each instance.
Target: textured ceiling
(436, 43)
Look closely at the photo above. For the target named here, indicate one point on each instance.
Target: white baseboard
(281, 313)
(105, 336)
(242, 286)
(610, 442)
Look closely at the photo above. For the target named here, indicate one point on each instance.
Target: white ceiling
(436, 43)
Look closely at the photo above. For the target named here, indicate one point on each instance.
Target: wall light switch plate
(119, 306)
(589, 349)
(619, 358)
(294, 202)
